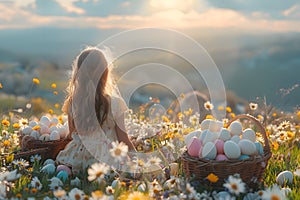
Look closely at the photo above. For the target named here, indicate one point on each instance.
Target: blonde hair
(94, 60)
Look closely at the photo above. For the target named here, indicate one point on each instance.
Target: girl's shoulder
(118, 105)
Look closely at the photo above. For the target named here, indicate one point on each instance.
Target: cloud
(69, 6)
(293, 12)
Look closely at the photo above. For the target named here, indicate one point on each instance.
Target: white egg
(54, 135)
(188, 137)
(53, 128)
(210, 137)
(35, 134)
(209, 151)
(44, 129)
(247, 147)
(205, 124)
(203, 135)
(235, 138)
(44, 137)
(232, 150)
(235, 128)
(27, 130)
(285, 177)
(54, 121)
(63, 132)
(215, 126)
(224, 134)
(249, 134)
(33, 123)
(45, 120)
(259, 148)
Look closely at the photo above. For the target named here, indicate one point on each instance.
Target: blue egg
(49, 169)
(259, 148)
(244, 157)
(63, 175)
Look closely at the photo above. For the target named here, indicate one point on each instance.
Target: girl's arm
(122, 135)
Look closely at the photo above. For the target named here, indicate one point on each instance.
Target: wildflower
(274, 114)
(35, 158)
(55, 183)
(50, 111)
(76, 194)
(273, 193)
(208, 105)
(192, 194)
(220, 108)
(34, 190)
(6, 143)
(9, 158)
(16, 125)
(109, 190)
(97, 194)
(179, 115)
(5, 122)
(232, 115)
(212, 178)
(36, 81)
(228, 109)
(60, 193)
(21, 163)
(53, 85)
(56, 105)
(23, 122)
(253, 106)
(55, 92)
(298, 114)
(1, 86)
(119, 150)
(36, 183)
(209, 117)
(97, 171)
(235, 185)
(136, 195)
(284, 125)
(297, 172)
(275, 146)
(153, 161)
(36, 128)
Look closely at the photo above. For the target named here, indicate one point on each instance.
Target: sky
(268, 15)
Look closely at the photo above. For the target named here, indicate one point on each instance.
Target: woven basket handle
(260, 126)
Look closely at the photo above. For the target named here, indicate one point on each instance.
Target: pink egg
(221, 157)
(220, 146)
(194, 147)
(64, 168)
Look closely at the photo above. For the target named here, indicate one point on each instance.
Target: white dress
(83, 151)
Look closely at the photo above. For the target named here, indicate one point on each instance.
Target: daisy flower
(76, 194)
(21, 163)
(208, 105)
(35, 158)
(235, 185)
(109, 190)
(59, 193)
(253, 106)
(36, 183)
(273, 193)
(153, 160)
(119, 150)
(55, 183)
(284, 125)
(97, 171)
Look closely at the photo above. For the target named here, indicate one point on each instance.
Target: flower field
(38, 178)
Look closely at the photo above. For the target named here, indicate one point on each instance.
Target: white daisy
(235, 185)
(21, 163)
(35, 158)
(119, 150)
(97, 171)
(253, 106)
(297, 172)
(36, 183)
(153, 160)
(208, 105)
(55, 183)
(192, 194)
(60, 193)
(109, 190)
(76, 194)
(273, 193)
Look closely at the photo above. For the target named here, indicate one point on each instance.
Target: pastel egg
(54, 135)
(35, 134)
(225, 134)
(63, 132)
(249, 134)
(188, 137)
(44, 129)
(285, 177)
(209, 151)
(64, 168)
(205, 124)
(194, 147)
(53, 128)
(235, 138)
(27, 130)
(203, 135)
(232, 150)
(54, 121)
(32, 123)
(220, 146)
(49, 161)
(259, 148)
(215, 126)
(235, 128)
(247, 147)
(210, 137)
(244, 157)
(44, 137)
(63, 175)
(49, 168)
(221, 157)
(45, 120)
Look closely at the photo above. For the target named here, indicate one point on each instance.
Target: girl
(95, 112)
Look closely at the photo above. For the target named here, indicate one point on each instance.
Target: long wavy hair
(95, 63)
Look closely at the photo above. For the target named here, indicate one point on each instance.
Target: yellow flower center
(118, 152)
(234, 186)
(77, 196)
(274, 197)
(98, 174)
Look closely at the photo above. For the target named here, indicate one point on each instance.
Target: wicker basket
(250, 170)
(53, 147)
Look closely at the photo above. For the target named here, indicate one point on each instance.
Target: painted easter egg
(54, 135)
(205, 124)
(32, 123)
(35, 134)
(244, 157)
(209, 151)
(62, 175)
(188, 137)
(49, 161)
(44, 129)
(53, 128)
(215, 126)
(249, 134)
(27, 130)
(235, 138)
(247, 147)
(54, 121)
(285, 177)
(235, 128)
(44, 137)
(259, 148)
(49, 168)
(45, 120)
(63, 132)
(210, 137)
(221, 157)
(64, 168)
(232, 150)
(224, 134)
(220, 146)
(194, 147)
